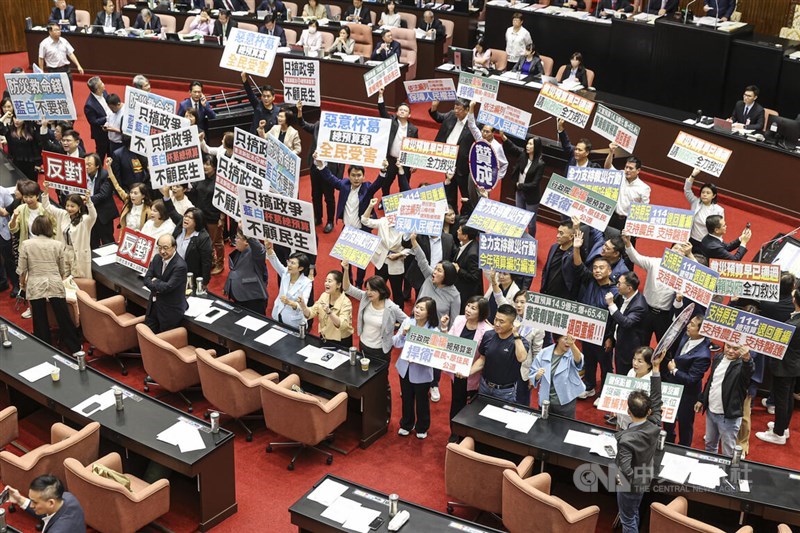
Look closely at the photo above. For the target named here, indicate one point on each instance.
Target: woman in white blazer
(75, 222)
(284, 131)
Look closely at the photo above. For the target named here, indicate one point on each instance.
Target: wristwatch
(517, 337)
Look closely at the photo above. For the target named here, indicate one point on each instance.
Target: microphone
(776, 240)
(686, 11)
(716, 13)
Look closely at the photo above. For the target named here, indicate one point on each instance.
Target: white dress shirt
(630, 192)
(516, 42)
(351, 216)
(455, 134)
(657, 295)
(55, 53)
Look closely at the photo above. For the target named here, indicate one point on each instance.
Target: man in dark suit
(454, 130)
(47, 497)
(232, 5)
(276, 7)
(271, 27)
(96, 110)
(387, 48)
(688, 367)
(101, 192)
(435, 249)
(197, 100)
(433, 27)
(166, 279)
(128, 167)
(636, 447)
(319, 187)
(662, 7)
(618, 6)
(715, 248)
(109, 18)
(721, 9)
(224, 24)
(147, 22)
(578, 154)
(247, 277)
(63, 12)
(628, 313)
(358, 13)
(558, 275)
(465, 259)
(784, 373)
(747, 111)
(403, 126)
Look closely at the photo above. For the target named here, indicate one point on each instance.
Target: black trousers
(391, 174)
(782, 389)
(28, 168)
(594, 355)
(416, 409)
(9, 264)
(684, 419)
(621, 364)
(322, 189)
(65, 68)
(460, 397)
(256, 306)
(66, 329)
(101, 148)
(457, 189)
(159, 326)
(395, 283)
(657, 322)
(102, 234)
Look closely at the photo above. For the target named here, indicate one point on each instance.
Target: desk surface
(306, 514)
(770, 486)
(135, 427)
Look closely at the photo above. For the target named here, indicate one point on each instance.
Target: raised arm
(422, 261)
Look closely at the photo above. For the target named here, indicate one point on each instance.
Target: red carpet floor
(410, 467)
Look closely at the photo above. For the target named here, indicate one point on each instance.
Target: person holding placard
(264, 109)
(389, 259)
(400, 129)
(556, 372)
(528, 172)
(23, 148)
(633, 189)
(247, 274)
(127, 167)
(334, 310)
(76, 220)
(454, 130)
(577, 155)
(703, 206)
(135, 203)
(465, 260)
(193, 241)
(284, 131)
(628, 313)
(377, 315)
(502, 289)
(202, 196)
(294, 285)
(641, 368)
(414, 377)
(535, 337)
(472, 325)
(558, 275)
(319, 187)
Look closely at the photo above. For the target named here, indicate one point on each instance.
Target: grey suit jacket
(247, 277)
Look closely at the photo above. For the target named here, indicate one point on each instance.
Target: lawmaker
(747, 112)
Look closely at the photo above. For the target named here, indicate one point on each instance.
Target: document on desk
(522, 421)
(497, 413)
(706, 475)
(360, 519)
(311, 351)
(579, 438)
(108, 249)
(197, 306)
(37, 372)
(211, 315)
(185, 436)
(104, 260)
(251, 323)
(601, 444)
(327, 492)
(95, 403)
(340, 510)
(271, 336)
(327, 359)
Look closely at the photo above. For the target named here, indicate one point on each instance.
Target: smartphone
(327, 356)
(375, 524)
(610, 450)
(4, 496)
(747, 225)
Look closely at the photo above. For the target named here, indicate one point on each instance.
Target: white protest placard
(696, 152)
(422, 217)
(617, 388)
(175, 157)
(565, 317)
(229, 177)
(355, 246)
(439, 350)
(428, 155)
(690, 278)
(149, 120)
(572, 108)
(301, 81)
(477, 88)
(615, 128)
(382, 75)
(662, 223)
(282, 220)
(250, 150)
(736, 326)
(439, 90)
(353, 139)
(574, 199)
(498, 218)
(605, 181)
(135, 96)
(283, 168)
(759, 281)
(41, 96)
(250, 51)
(505, 118)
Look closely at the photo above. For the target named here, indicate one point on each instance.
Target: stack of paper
(104, 260)
(251, 323)
(517, 420)
(270, 336)
(197, 306)
(93, 404)
(351, 514)
(185, 436)
(38, 372)
(596, 443)
(325, 358)
(706, 475)
(327, 492)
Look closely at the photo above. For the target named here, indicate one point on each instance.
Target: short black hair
(469, 231)
(618, 244)
(71, 133)
(197, 216)
(586, 142)
(483, 306)
(352, 168)
(711, 187)
(639, 403)
(49, 485)
(113, 99)
(713, 222)
(631, 279)
(508, 310)
(302, 260)
(195, 83)
(225, 12)
(268, 89)
(430, 308)
(378, 284)
(450, 273)
(788, 283)
(600, 258)
(567, 224)
(461, 103)
(753, 88)
(518, 15)
(635, 160)
(28, 188)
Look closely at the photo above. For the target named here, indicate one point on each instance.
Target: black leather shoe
(328, 228)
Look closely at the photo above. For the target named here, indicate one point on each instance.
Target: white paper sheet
(333, 362)
(579, 438)
(104, 401)
(340, 510)
(497, 413)
(37, 372)
(521, 421)
(674, 473)
(327, 492)
(251, 323)
(360, 519)
(197, 306)
(270, 336)
(183, 435)
(601, 442)
(108, 249)
(706, 475)
(104, 260)
(211, 315)
(311, 351)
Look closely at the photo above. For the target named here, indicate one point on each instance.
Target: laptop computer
(723, 125)
(461, 6)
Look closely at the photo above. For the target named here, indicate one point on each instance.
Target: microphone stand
(716, 14)
(775, 240)
(686, 11)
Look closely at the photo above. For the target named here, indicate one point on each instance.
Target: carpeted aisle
(411, 467)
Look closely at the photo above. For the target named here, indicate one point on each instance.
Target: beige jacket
(79, 253)
(42, 261)
(292, 139)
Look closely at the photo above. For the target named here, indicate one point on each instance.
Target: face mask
(312, 31)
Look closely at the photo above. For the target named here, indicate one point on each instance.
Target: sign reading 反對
(64, 172)
(135, 250)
